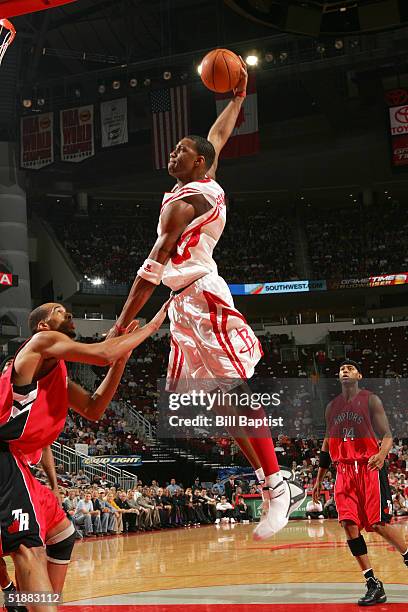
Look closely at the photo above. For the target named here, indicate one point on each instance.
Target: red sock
(263, 446)
(265, 450)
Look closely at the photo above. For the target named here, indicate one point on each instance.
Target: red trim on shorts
(175, 363)
(212, 301)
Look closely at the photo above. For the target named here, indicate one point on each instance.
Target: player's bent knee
(59, 547)
(358, 546)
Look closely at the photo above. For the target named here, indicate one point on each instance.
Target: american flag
(170, 121)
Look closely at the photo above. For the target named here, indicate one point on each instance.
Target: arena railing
(73, 461)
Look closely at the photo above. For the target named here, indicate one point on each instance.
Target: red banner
(397, 100)
(37, 141)
(77, 133)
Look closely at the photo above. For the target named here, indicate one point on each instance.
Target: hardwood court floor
(223, 568)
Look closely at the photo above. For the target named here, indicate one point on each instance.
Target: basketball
(220, 70)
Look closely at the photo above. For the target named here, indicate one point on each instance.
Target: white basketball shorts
(210, 339)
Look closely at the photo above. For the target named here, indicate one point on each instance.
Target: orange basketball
(220, 70)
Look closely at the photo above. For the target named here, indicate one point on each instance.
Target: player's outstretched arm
(174, 220)
(225, 122)
(56, 345)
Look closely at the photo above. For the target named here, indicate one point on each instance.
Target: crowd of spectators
(97, 510)
(259, 241)
(356, 242)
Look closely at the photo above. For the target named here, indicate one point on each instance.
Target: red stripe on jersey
(194, 238)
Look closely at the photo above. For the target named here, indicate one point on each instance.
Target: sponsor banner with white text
(77, 133)
(37, 141)
(114, 122)
(118, 461)
(278, 287)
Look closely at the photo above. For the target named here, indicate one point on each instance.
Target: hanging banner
(37, 141)
(397, 100)
(77, 133)
(114, 122)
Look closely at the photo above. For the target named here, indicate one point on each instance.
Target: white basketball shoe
(279, 503)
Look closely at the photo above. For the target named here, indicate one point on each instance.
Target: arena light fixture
(77, 92)
(269, 57)
(116, 85)
(102, 88)
(283, 56)
(97, 282)
(133, 82)
(167, 75)
(339, 44)
(41, 102)
(252, 60)
(147, 82)
(27, 103)
(199, 69)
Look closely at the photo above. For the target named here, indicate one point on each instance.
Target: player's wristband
(152, 271)
(240, 94)
(120, 329)
(324, 460)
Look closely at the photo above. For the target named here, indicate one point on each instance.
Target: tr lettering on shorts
(21, 521)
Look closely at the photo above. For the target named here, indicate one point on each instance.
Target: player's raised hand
(316, 491)
(241, 88)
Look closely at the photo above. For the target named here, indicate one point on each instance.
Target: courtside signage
(113, 460)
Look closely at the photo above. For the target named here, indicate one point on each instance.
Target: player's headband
(352, 363)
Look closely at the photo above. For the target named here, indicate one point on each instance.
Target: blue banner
(278, 287)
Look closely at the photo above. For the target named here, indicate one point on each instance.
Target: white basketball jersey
(194, 256)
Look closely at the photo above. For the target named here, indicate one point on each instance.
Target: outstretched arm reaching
(225, 123)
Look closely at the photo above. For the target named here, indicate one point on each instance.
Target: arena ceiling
(92, 34)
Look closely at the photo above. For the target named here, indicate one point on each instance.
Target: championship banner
(397, 100)
(77, 133)
(37, 141)
(118, 461)
(278, 287)
(114, 122)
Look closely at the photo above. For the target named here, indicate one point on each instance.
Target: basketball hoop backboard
(13, 8)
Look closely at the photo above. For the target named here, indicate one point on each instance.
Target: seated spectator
(129, 514)
(85, 516)
(330, 509)
(241, 511)
(224, 511)
(314, 510)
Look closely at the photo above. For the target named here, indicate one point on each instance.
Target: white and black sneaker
(375, 593)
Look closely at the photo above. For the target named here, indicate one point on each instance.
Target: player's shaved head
(204, 148)
(41, 313)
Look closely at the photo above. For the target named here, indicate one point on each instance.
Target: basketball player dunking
(34, 397)
(210, 339)
(362, 492)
